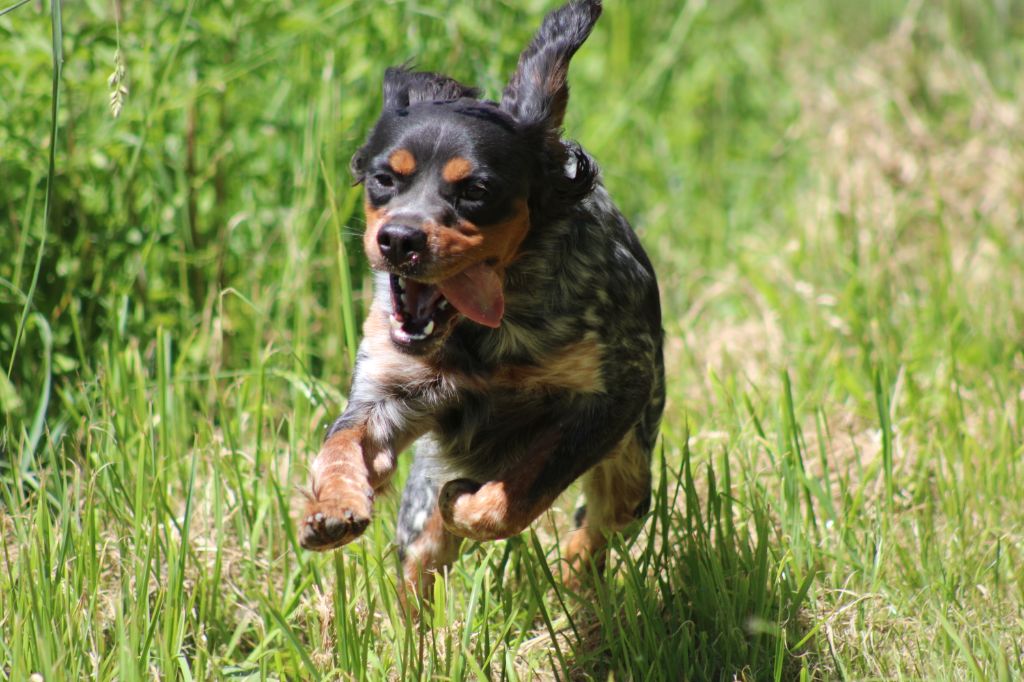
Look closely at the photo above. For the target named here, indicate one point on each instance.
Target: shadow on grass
(695, 596)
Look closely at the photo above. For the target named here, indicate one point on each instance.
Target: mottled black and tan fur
(515, 334)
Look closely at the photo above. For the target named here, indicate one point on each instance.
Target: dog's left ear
(537, 93)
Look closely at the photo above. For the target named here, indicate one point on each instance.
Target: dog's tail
(538, 92)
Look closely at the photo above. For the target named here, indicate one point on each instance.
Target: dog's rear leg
(425, 546)
(617, 491)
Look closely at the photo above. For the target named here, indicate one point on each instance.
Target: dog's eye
(474, 191)
(384, 181)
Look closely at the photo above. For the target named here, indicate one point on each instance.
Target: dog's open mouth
(421, 311)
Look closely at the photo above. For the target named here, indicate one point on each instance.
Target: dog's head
(453, 183)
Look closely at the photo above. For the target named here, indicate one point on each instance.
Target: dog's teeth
(402, 299)
(395, 323)
(443, 305)
(401, 282)
(429, 328)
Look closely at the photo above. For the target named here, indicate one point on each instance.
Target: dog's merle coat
(515, 332)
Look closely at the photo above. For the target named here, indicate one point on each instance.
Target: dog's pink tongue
(476, 293)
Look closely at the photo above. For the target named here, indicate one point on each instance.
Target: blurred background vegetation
(231, 148)
(831, 192)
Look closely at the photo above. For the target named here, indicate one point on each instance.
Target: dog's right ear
(538, 91)
(403, 86)
(357, 166)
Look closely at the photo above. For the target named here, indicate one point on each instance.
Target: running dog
(515, 332)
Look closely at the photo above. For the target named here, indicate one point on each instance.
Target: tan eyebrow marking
(402, 162)
(456, 169)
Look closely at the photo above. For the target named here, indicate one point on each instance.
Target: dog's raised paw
(331, 523)
(478, 512)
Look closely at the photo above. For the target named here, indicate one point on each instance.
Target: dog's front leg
(493, 511)
(560, 453)
(354, 463)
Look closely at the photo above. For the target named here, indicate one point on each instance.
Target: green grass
(831, 193)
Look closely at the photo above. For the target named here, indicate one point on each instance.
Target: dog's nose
(401, 244)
